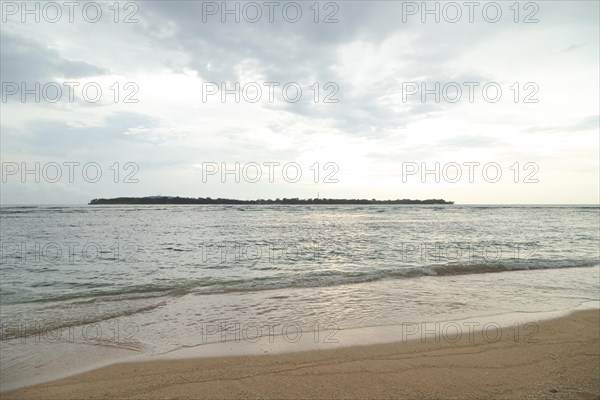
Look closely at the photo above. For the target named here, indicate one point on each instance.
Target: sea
(86, 286)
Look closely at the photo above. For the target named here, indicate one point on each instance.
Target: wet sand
(560, 361)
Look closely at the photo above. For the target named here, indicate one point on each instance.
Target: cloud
(385, 53)
(366, 57)
(27, 60)
(588, 123)
(61, 140)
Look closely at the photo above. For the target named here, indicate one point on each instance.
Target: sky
(478, 103)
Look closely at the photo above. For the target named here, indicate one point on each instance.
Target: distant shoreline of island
(161, 200)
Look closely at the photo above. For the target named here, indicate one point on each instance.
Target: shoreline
(74, 358)
(58, 355)
(560, 362)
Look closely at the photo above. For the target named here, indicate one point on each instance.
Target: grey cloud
(591, 122)
(138, 138)
(26, 60)
(58, 139)
(573, 47)
(431, 149)
(305, 51)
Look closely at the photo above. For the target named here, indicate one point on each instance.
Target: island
(154, 200)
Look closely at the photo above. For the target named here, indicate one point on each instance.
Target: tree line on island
(152, 200)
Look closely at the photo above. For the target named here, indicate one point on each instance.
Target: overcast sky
(361, 119)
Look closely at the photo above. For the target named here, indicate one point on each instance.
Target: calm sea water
(104, 281)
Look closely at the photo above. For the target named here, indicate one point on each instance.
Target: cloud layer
(370, 88)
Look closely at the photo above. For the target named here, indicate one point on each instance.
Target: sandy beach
(561, 361)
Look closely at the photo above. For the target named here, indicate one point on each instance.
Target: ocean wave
(68, 317)
(320, 278)
(94, 306)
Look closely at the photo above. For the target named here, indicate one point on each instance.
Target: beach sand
(563, 362)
